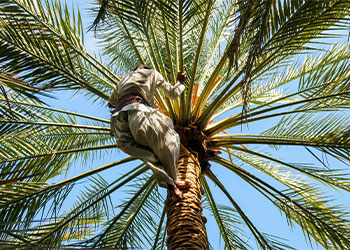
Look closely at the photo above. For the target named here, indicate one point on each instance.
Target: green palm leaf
(49, 44)
(326, 224)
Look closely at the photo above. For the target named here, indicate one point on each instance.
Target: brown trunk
(185, 226)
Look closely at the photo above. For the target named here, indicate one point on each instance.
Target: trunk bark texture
(185, 225)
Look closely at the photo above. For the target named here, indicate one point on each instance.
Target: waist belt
(128, 99)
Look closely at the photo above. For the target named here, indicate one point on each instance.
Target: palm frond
(19, 209)
(48, 50)
(29, 139)
(335, 58)
(267, 23)
(158, 242)
(327, 224)
(227, 220)
(270, 165)
(263, 240)
(326, 14)
(207, 17)
(135, 223)
(335, 144)
(90, 204)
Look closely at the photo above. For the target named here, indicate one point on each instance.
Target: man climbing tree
(143, 131)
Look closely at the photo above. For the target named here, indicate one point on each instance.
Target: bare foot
(178, 193)
(179, 185)
(183, 184)
(175, 193)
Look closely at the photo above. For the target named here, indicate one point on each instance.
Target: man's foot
(174, 192)
(183, 184)
(179, 185)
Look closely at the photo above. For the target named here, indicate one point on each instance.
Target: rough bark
(185, 225)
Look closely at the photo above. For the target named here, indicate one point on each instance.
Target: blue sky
(263, 214)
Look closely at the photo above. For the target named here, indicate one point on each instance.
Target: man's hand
(181, 77)
(110, 105)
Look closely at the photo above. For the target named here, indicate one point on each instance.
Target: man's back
(141, 81)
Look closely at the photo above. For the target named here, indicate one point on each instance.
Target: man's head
(142, 66)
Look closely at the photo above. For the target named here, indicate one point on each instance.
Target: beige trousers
(149, 135)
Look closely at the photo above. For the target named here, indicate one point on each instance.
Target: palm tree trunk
(185, 226)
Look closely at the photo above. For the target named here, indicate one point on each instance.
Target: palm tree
(270, 57)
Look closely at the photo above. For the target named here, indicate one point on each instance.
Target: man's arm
(170, 90)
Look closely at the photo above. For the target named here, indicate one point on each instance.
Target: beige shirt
(144, 82)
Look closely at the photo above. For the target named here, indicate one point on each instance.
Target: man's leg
(120, 125)
(154, 130)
